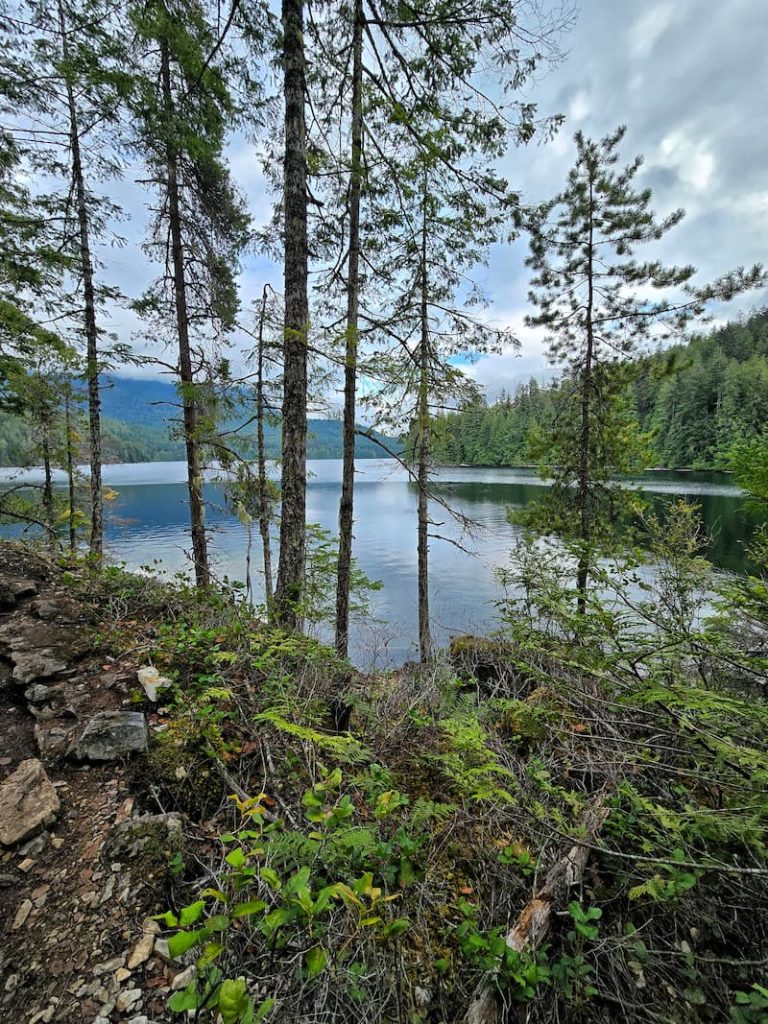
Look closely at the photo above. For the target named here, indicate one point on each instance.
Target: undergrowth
(374, 872)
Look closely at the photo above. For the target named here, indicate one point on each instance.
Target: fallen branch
(532, 925)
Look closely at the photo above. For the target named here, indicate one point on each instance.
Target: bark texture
(186, 375)
(346, 503)
(290, 576)
(264, 517)
(96, 542)
(423, 434)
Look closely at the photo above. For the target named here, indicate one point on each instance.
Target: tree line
(694, 402)
(376, 126)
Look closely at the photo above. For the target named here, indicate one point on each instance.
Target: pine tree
(67, 64)
(587, 287)
(183, 110)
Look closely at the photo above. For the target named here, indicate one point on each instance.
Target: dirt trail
(77, 945)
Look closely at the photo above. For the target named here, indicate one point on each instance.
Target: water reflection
(147, 525)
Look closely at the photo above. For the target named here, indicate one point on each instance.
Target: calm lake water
(147, 525)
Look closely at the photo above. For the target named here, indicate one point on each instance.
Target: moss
(179, 771)
(483, 659)
(150, 847)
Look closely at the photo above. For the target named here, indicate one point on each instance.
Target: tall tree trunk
(96, 543)
(186, 377)
(423, 434)
(264, 516)
(70, 475)
(346, 503)
(290, 576)
(585, 434)
(48, 513)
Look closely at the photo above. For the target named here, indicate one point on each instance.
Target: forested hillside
(138, 426)
(693, 401)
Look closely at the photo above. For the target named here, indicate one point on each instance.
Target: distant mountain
(140, 420)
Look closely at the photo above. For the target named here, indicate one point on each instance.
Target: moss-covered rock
(150, 847)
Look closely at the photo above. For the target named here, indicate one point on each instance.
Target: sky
(689, 79)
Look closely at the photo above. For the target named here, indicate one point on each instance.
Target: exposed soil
(71, 918)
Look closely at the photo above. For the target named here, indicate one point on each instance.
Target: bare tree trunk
(585, 438)
(532, 926)
(290, 576)
(186, 376)
(423, 435)
(346, 503)
(48, 514)
(96, 543)
(70, 476)
(264, 517)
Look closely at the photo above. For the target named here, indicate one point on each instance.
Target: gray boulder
(111, 735)
(29, 666)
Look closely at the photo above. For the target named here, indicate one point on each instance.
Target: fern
(345, 749)
(472, 767)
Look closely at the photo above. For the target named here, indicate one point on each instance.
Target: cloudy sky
(689, 78)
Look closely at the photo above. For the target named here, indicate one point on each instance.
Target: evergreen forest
(692, 401)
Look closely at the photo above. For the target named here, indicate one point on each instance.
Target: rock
(183, 978)
(22, 914)
(33, 847)
(146, 844)
(7, 598)
(37, 693)
(143, 948)
(109, 966)
(21, 589)
(128, 998)
(110, 735)
(52, 740)
(6, 881)
(28, 666)
(44, 1016)
(162, 950)
(50, 608)
(122, 974)
(27, 801)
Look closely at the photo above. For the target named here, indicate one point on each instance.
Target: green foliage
(319, 594)
(472, 769)
(750, 1007)
(281, 894)
(699, 405)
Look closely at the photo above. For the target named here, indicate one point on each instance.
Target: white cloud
(648, 29)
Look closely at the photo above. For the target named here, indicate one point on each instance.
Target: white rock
(143, 948)
(152, 681)
(22, 914)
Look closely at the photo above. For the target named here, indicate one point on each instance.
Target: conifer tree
(591, 293)
(292, 563)
(390, 79)
(65, 64)
(183, 110)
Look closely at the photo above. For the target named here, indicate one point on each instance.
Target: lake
(147, 525)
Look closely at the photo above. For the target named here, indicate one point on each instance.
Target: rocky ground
(77, 876)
